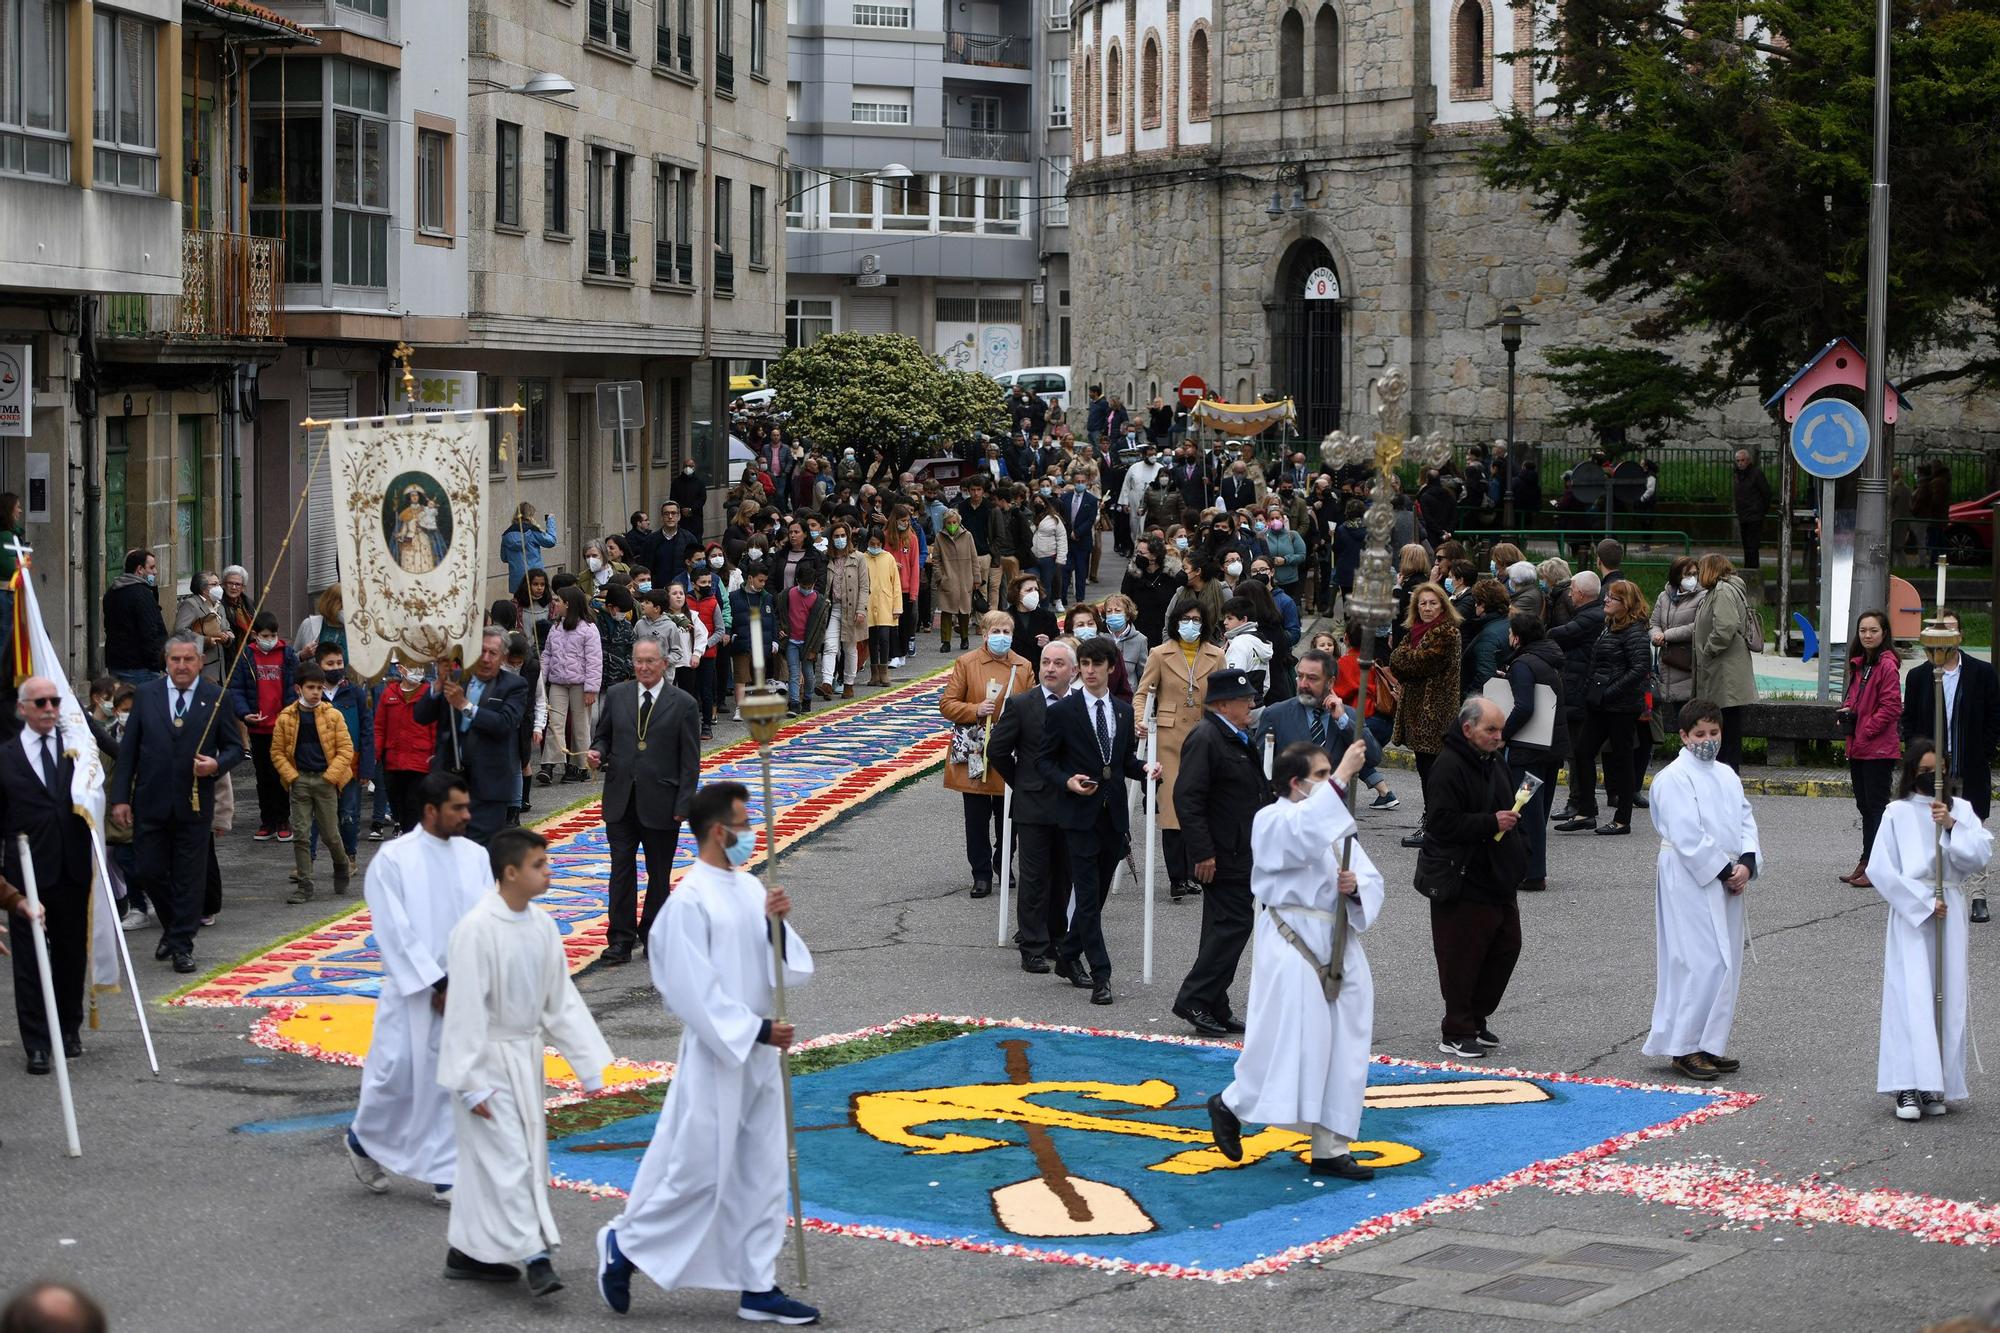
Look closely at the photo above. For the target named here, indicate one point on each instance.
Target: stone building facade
(1227, 150)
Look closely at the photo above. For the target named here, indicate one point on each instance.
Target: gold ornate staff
(764, 712)
(1939, 641)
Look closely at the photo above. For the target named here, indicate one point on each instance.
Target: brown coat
(955, 572)
(1429, 673)
(1178, 711)
(963, 694)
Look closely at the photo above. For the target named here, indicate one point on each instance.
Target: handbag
(1440, 873)
(1679, 656)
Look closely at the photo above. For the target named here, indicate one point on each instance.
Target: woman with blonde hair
(1621, 662)
(1426, 666)
(1726, 631)
(1413, 568)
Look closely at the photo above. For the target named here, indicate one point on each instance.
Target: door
(582, 493)
(1306, 341)
(117, 458)
(983, 113)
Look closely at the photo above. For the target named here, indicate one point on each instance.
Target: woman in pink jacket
(1870, 711)
(572, 668)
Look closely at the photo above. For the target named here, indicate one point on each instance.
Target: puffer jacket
(1875, 697)
(333, 740)
(1537, 663)
(1620, 662)
(573, 656)
(1577, 637)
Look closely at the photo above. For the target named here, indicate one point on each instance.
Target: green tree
(868, 391)
(1715, 162)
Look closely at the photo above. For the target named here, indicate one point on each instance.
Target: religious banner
(409, 499)
(1241, 418)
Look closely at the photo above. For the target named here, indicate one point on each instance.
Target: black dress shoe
(183, 962)
(163, 951)
(72, 1046)
(1343, 1166)
(1034, 962)
(1202, 1021)
(616, 955)
(1225, 1128)
(982, 888)
(1980, 914)
(465, 1268)
(1567, 812)
(1233, 1023)
(1578, 824)
(39, 1062)
(1100, 992)
(1413, 839)
(1614, 829)
(1073, 971)
(1536, 885)
(1641, 801)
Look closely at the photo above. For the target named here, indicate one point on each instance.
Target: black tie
(180, 703)
(48, 763)
(1103, 734)
(645, 709)
(1318, 727)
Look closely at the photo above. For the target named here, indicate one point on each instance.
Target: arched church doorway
(1306, 320)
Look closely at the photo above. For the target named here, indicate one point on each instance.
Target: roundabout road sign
(1830, 438)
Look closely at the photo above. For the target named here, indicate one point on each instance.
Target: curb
(1842, 788)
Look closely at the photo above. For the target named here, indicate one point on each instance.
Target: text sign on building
(17, 391)
(447, 390)
(1829, 439)
(1322, 284)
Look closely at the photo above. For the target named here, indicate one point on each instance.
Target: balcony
(725, 273)
(993, 50)
(986, 145)
(725, 73)
(610, 254)
(673, 264)
(229, 293)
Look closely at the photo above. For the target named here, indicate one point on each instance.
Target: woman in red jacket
(1871, 710)
(403, 745)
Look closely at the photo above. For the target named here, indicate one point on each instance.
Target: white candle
(757, 647)
(1940, 596)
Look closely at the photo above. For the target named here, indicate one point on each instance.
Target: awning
(1242, 418)
(242, 19)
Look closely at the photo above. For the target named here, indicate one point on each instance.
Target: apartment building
(929, 163)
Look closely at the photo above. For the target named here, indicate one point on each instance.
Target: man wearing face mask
(135, 633)
(981, 682)
(1237, 491)
(262, 686)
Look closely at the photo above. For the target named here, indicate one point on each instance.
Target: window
(434, 182)
(610, 23)
(801, 198)
(1058, 86)
(1003, 206)
(496, 423)
(792, 91)
(906, 204)
(1149, 83)
(880, 106)
(958, 203)
(760, 39)
(725, 45)
(1058, 15)
(610, 213)
(1471, 68)
(673, 254)
(287, 180)
(1086, 92)
(360, 249)
(807, 321)
(1292, 55)
(758, 222)
(881, 16)
(722, 192)
(673, 44)
(850, 204)
(374, 8)
(1197, 74)
(1055, 185)
(555, 185)
(1062, 340)
(34, 88)
(506, 174)
(1114, 85)
(126, 109)
(1326, 51)
(535, 441)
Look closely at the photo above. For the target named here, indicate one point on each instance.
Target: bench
(1783, 724)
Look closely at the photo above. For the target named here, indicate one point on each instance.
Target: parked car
(1051, 383)
(1968, 533)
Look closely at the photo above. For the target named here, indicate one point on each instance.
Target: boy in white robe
(1913, 1064)
(418, 887)
(510, 994)
(1708, 855)
(708, 1207)
(1304, 1064)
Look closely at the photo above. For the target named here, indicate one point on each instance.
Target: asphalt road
(180, 1222)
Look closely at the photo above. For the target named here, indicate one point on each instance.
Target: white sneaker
(1933, 1103)
(134, 919)
(736, 716)
(1908, 1107)
(895, 662)
(366, 1169)
(441, 1196)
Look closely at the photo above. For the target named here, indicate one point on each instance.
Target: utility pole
(1871, 516)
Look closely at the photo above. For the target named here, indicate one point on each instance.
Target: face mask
(1277, 525)
(701, 589)
(1690, 583)
(334, 675)
(904, 526)
(1542, 583)
(998, 644)
(1449, 586)
(152, 580)
(1083, 632)
(1926, 784)
(717, 561)
(1180, 543)
(1048, 491)
(840, 543)
(267, 644)
(595, 562)
(1030, 600)
(215, 592)
(848, 454)
(951, 525)
(819, 543)
(1190, 630)
(689, 469)
(1115, 621)
(1234, 569)
(742, 846)
(1262, 528)
(1707, 750)
(645, 585)
(874, 549)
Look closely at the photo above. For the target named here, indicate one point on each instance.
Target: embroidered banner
(409, 498)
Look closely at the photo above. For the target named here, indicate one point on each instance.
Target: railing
(986, 145)
(725, 273)
(230, 285)
(673, 263)
(1003, 50)
(725, 73)
(611, 253)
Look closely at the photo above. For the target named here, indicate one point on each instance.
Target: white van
(1050, 382)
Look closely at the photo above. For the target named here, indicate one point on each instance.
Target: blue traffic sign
(1830, 438)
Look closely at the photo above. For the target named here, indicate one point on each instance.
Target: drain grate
(1623, 1258)
(1528, 1289)
(1472, 1259)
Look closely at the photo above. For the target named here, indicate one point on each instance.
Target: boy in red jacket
(262, 685)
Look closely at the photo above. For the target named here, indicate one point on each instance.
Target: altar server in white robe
(419, 886)
(1913, 1065)
(708, 1208)
(1304, 1065)
(1708, 855)
(510, 994)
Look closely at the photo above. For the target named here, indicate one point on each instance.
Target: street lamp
(1510, 324)
(541, 83)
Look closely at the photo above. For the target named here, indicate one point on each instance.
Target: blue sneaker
(614, 1272)
(774, 1307)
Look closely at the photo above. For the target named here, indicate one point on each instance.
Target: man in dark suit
(478, 718)
(1088, 751)
(1235, 491)
(1971, 719)
(1042, 911)
(174, 741)
(1079, 514)
(35, 778)
(1217, 794)
(648, 742)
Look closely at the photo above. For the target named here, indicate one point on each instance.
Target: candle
(1940, 596)
(757, 647)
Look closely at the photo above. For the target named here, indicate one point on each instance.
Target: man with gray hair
(1576, 637)
(1473, 860)
(477, 711)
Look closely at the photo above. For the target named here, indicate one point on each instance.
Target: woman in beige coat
(954, 573)
(847, 591)
(1175, 686)
(981, 682)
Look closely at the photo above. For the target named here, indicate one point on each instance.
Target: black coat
(1465, 789)
(156, 759)
(487, 752)
(1028, 625)
(135, 633)
(1069, 747)
(1620, 662)
(1577, 637)
(660, 780)
(690, 492)
(58, 838)
(1537, 663)
(1217, 793)
(1152, 592)
(1012, 751)
(670, 553)
(1975, 719)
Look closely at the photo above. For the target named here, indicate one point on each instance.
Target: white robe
(1305, 1061)
(1903, 869)
(1705, 825)
(709, 1204)
(418, 888)
(510, 994)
